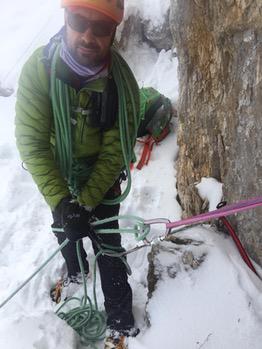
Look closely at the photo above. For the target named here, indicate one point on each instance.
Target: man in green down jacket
(71, 97)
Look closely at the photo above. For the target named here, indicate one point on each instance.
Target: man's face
(89, 35)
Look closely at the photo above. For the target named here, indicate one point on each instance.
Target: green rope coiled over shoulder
(62, 121)
(128, 95)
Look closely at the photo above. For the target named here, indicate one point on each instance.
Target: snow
(211, 190)
(207, 307)
(218, 305)
(150, 10)
(24, 26)
(161, 68)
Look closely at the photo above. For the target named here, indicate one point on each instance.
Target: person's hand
(75, 219)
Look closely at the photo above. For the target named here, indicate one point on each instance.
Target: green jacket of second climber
(35, 135)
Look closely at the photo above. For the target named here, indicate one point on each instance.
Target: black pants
(115, 286)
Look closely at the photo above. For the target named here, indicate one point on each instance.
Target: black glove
(75, 219)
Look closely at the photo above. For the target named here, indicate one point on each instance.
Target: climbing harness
(86, 319)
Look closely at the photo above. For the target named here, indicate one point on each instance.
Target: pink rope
(221, 212)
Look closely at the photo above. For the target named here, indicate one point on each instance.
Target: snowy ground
(216, 306)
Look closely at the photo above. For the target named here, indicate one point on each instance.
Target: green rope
(127, 146)
(86, 319)
(140, 229)
(34, 274)
(62, 121)
(60, 95)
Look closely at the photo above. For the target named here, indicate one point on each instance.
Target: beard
(88, 54)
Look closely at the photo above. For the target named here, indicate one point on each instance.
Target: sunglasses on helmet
(81, 24)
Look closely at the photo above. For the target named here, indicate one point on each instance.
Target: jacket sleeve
(33, 130)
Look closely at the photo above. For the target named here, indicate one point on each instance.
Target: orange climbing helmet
(111, 8)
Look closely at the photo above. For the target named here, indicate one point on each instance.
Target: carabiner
(155, 221)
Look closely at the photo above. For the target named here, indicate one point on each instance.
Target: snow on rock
(148, 21)
(152, 10)
(211, 190)
(217, 305)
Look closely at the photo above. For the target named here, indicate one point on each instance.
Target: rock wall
(219, 47)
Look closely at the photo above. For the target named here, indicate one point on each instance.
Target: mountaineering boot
(116, 343)
(67, 287)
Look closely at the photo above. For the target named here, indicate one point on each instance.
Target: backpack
(155, 115)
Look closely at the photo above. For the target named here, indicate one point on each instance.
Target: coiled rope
(127, 94)
(86, 318)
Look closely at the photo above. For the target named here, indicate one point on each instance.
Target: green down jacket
(35, 135)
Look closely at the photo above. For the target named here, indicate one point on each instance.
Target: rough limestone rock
(219, 47)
